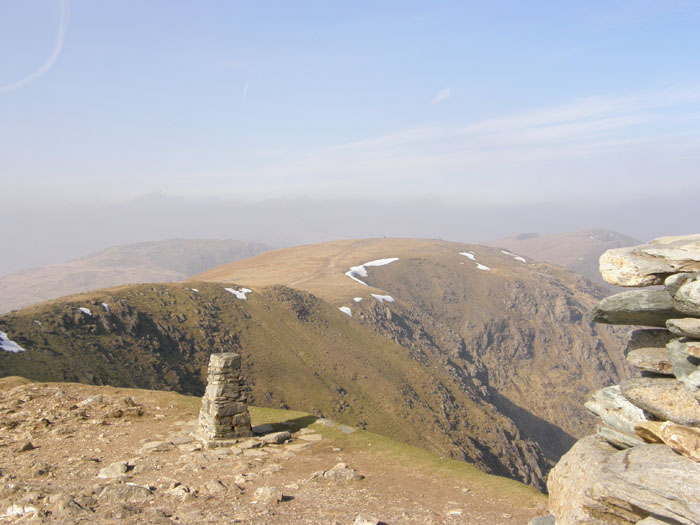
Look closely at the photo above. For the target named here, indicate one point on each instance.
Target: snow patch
(355, 272)
(469, 255)
(86, 311)
(15, 511)
(8, 345)
(105, 307)
(482, 267)
(357, 299)
(514, 256)
(194, 290)
(240, 293)
(382, 298)
(346, 310)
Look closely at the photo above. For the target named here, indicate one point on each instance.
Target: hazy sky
(500, 105)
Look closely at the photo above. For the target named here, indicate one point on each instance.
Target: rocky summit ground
(73, 453)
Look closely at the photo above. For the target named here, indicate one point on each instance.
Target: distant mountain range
(163, 261)
(578, 251)
(476, 353)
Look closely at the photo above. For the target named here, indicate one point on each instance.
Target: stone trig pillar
(224, 413)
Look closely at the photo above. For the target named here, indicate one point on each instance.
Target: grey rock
(214, 486)
(614, 409)
(114, 470)
(156, 446)
(276, 438)
(685, 366)
(542, 520)
(572, 475)
(687, 299)
(687, 327)
(341, 472)
(651, 263)
(618, 439)
(652, 360)
(675, 281)
(64, 505)
(126, 493)
(643, 481)
(666, 399)
(636, 307)
(268, 495)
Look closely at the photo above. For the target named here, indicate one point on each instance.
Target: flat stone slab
(682, 439)
(651, 263)
(687, 327)
(650, 360)
(637, 307)
(666, 399)
(614, 409)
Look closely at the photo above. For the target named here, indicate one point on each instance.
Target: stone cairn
(643, 464)
(224, 414)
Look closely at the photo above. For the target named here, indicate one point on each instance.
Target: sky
(304, 121)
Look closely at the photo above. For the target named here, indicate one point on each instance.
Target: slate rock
(268, 495)
(126, 493)
(684, 365)
(614, 409)
(214, 486)
(646, 480)
(340, 472)
(114, 470)
(572, 475)
(652, 262)
(276, 438)
(636, 307)
(652, 360)
(618, 439)
(682, 439)
(666, 399)
(687, 327)
(542, 520)
(675, 281)
(687, 299)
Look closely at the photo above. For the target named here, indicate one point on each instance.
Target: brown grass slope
(299, 352)
(161, 261)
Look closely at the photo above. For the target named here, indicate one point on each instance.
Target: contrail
(49, 63)
(245, 90)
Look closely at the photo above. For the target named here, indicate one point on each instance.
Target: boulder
(666, 399)
(127, 493)
(675, 281)
(276, 438)
(651, 263)
(636, 307)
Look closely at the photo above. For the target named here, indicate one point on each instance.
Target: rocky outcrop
(643, 465)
